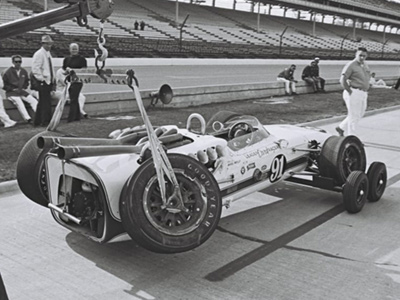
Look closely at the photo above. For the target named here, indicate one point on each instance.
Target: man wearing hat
(315, 74)
(42, 70)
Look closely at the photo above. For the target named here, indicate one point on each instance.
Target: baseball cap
(317, 58)
(46, 39)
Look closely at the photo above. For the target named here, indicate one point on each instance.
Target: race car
(166, 186)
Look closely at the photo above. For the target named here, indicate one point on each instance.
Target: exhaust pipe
(69, 152)
(48, 142)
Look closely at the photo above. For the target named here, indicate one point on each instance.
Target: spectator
(378, 84)
(142, 25)
(136, 25)
(286, 76)
(355, 82)
(73, 93)
(4, 118)
(74, 61)
(315, 75)
(307, 77)
(16, 81)
(42, 70)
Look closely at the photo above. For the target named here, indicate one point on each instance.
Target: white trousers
(81, 99)
(17, 101)
(4, 118)
(356, 104)
(288, 85)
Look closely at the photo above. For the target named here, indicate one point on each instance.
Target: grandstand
(215, 32)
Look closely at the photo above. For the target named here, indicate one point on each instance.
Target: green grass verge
(300, 109)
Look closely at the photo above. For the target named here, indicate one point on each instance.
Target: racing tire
(355, 191)
(377, 176)
(159, 229)
(31, 174)
(340, 156)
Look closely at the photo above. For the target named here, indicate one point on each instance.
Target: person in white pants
(286, 76)
(355, 81)
(61, 74)
(16, 81)
(4, 118)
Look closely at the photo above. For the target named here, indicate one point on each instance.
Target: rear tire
(340, 156)
(377, 176)
(355, 192)
(165, 230)
(31, 174)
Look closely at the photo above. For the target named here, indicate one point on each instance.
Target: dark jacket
(315, 71)
(307, 72)
(287, 74)
(75, 62)
(13, 81)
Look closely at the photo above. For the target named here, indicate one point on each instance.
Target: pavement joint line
(12, 186)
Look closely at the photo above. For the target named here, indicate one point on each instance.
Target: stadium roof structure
(364, 11)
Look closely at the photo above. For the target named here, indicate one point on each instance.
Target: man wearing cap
(42, 70)
(355, 82)
(315, 75)
(16, 81)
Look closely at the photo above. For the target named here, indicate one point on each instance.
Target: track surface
(287, 242)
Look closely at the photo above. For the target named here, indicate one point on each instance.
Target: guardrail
(104, 103)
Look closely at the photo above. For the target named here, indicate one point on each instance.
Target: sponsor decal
(243, 170)
(262, 152)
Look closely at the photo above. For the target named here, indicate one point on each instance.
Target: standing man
(42, 70)
(74, 61)
(16, 81)
(355, 82)
(286, 76)
(315, 74)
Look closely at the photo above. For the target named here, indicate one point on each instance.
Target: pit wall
(104, 103)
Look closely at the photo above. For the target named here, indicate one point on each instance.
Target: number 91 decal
(278, 167)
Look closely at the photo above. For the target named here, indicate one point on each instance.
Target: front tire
(355, 191)
(340, 156)
(377, 176)
(31, 173)
(160, 229)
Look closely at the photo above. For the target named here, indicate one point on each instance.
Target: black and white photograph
(199, 149)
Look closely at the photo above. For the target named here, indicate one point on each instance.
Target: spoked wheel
(31, 172)
(340, 156)
(355, 191)
(171, 228)
(377, 176)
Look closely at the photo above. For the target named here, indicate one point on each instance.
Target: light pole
(341, 44)
(383, 47)
(176, 12)
(280, 40)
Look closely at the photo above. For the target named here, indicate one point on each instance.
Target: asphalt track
(286, 242)
(180, 73)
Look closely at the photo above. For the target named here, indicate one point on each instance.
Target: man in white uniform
(355, 82)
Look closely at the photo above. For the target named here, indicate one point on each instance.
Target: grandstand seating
(208, 32)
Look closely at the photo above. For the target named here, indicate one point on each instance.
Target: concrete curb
(12, 185)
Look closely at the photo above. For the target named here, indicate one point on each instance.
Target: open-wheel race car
(166, 186)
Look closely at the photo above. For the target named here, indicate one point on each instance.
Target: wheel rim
(43, 181)
(175, 223)
(351, 160)
(361, 192)
(380, 183)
